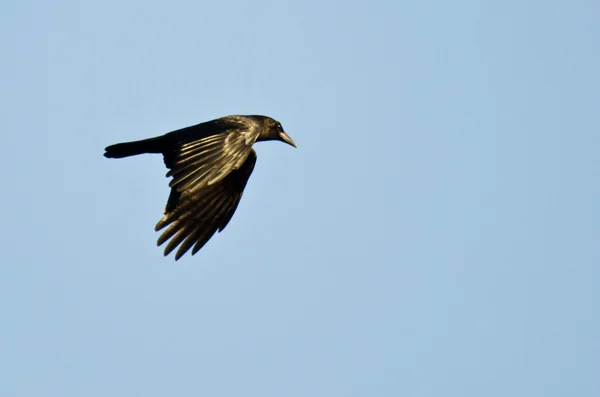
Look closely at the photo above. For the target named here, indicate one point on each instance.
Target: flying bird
(209, 165)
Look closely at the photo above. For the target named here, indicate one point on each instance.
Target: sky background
(436, 233)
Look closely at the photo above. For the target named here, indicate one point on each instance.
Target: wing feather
(195, 215)
(208, 160)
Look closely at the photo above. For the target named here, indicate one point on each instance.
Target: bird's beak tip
(286, 138)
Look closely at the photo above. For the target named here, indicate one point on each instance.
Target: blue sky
(435, 233)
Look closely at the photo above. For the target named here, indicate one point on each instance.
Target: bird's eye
(279, 127)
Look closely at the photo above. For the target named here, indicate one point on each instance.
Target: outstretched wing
(203, 162)
(194, 215)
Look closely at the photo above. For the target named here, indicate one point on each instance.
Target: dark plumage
(210, 164)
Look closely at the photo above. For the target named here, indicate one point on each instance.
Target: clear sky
(436, 233)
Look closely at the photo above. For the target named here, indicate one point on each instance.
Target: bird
(209, 165)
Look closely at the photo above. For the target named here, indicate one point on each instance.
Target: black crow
(210, 164)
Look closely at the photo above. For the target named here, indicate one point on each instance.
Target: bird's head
(274, 131)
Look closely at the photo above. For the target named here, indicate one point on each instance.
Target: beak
(286, 138)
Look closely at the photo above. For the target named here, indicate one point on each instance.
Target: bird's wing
(204, 162)
(194, 215)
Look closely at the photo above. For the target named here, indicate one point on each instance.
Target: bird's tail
(126, 149)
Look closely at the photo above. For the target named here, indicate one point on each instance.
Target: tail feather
(126, 149)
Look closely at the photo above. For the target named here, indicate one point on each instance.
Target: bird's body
(210, 164)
